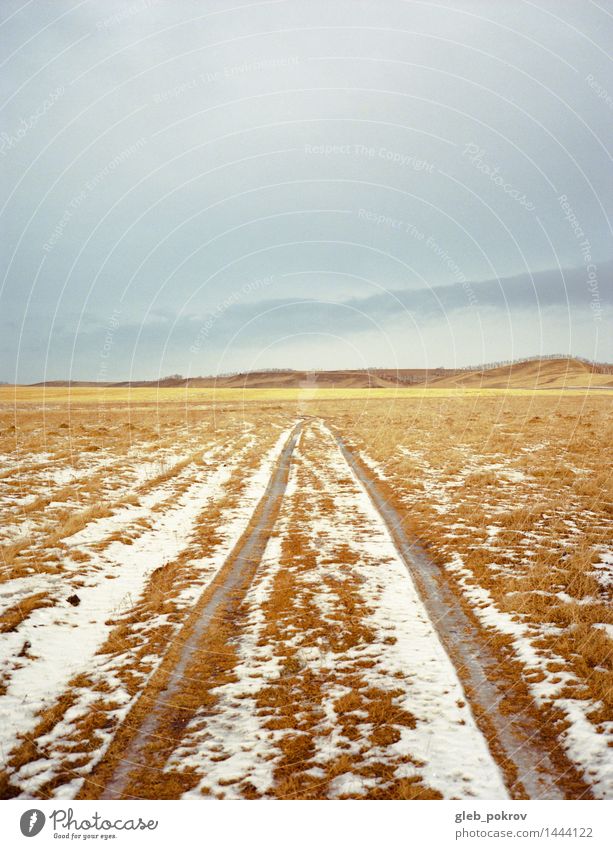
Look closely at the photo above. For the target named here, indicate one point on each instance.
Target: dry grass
(39, 509)
(145, 630)
(519, 490)
(291, 705)
(12, 617)
(514, 484)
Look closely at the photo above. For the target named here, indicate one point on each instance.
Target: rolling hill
(547, 373)
(532, 374)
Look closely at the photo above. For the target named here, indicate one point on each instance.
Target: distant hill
(284, 379)
(532, 374)
(546, 373)
(280, 378)
(72, 383)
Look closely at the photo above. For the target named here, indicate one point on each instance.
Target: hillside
(282, 379)
(341, 379)
(531, 374)
(537, 374)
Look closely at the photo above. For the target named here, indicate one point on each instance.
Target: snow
(457, 760)
(236, 730)
(584, 745)
(56, 653)
(603, 570)
(606, 627)
(42, 681)
(372, 464)
(564, 523)
(445, 749)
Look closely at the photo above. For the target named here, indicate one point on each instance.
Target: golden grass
(52, 511)
(550, 505)
(552, 524)
(292, 703)
(12, 617)
(137, 396)
(139, 634)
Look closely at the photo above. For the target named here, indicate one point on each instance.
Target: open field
(132, 398)
(306, 593)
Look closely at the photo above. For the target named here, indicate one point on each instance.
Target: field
(306, 593)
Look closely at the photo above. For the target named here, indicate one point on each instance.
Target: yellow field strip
(11, 395)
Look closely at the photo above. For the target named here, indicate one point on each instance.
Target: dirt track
(291, 639)
(236, 573)
(155, 727)
(515, 740)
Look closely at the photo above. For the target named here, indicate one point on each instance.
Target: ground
(202, 596)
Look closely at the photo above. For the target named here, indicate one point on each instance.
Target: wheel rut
(513, 739)
(163, 692)
(516, 735)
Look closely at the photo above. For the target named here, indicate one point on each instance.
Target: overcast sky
(202, 187)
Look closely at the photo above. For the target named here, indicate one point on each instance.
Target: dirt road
(329, 660)
(323, 656)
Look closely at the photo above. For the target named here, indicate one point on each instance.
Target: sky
(207, 187)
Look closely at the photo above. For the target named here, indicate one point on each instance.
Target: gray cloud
(168, 342)
(157, 157)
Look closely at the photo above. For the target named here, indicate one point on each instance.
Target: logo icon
(32, 822)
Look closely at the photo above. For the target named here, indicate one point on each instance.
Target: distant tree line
(602, 368)
(423, 374)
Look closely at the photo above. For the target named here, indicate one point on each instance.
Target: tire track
(142, 748)
(165, 688)
(516, 736)
(336, 682)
